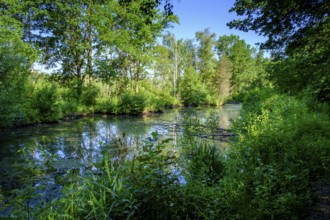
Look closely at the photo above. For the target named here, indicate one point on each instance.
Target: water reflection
(81, 142)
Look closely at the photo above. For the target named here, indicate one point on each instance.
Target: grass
(280, 150)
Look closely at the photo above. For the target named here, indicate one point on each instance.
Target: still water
(83, 138)
(81, 142)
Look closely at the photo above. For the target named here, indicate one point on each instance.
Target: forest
(114, 57)
(118, 57)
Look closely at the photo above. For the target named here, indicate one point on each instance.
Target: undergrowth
(280, 149)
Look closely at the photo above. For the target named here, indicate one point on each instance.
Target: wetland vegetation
(113, 62)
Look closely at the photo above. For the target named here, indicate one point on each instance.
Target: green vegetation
(109, 61)
(106, 58)
(281, 148)
(297, 37)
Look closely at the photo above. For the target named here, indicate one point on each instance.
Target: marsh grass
(280, 150)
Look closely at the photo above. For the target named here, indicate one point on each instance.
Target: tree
(135, 26)
(63, 31)
(224, 79)
(189, 54)
(240, 54)
(298, 31)
(282, 21)
(68, 32)
(191, 88)
(16, 59)
(206, 62)
(175, 47)
(172, 59)
(14, 53)
(163, 69)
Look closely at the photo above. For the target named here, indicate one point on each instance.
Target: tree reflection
(50, 148)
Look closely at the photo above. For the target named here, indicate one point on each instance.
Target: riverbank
(92, 112)
(83, 142)
(268, 170)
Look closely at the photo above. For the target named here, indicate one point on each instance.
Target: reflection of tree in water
(123, 135)
(224, 121)
(92, 136)
(82, 141)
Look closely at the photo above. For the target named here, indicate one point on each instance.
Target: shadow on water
(70, 147)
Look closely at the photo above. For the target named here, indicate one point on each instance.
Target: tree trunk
(137, 77)
(90, 46)
(175, 77)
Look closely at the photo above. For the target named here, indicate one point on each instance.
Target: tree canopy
(298, 35)
(282, 21)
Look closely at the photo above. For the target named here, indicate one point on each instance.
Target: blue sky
(196, 15)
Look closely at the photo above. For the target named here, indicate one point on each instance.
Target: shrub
(108, 105)
(204, 162)
(193, 96)
(15, 109)
(145, 187)
(191, 89)
(281, 149)
(89, 95)
(159, 102)
(8, 108)
(45, 101)
(131, 103)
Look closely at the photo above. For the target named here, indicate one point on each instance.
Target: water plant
(280, 150)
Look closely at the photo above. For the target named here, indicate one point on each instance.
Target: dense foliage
(298, 33)
(283, 22)
(109, 60)
(104, 57)
(281, 148)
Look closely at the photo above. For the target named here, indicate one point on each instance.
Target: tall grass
(280, 149)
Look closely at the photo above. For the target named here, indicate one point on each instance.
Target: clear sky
(196, 15)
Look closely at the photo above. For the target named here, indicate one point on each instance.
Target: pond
(78, 144)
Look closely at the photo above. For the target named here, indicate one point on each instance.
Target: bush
(204, 162)
(191, 89)
(45, 101)
(193, 96)
(145, 187)
(281, 150)
(109, 105)
(131, 103)
(159, 102)
(89, 95)
(15, 97)
(8, 107)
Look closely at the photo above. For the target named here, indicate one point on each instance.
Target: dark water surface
(83, 138)
(81, 142)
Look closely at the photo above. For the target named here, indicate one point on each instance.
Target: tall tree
(135, 28)
(14, 53)
(282, 21)
(206, 63)
(174, 47)
(240, 54)
(172, 59)
(298, 31)
(68, 32)
(224, 77)
(189, 54)
(16, 59)
(162, 68)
